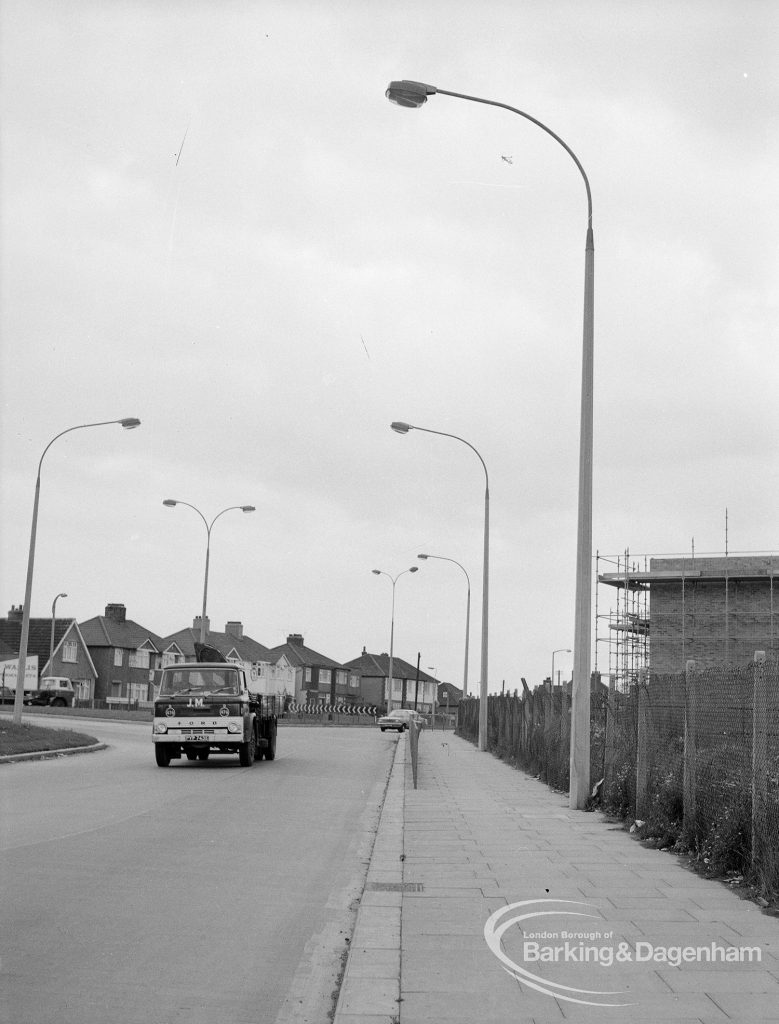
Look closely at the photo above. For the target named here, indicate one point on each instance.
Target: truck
(52, 691)
(208, 707)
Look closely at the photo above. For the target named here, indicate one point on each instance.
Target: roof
(227, 644)
(378, 665)
(700, 569)
(102, 631)
(300, 656)
(38, 639)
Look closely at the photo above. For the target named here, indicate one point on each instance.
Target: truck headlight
(160, 727)
(235, 726)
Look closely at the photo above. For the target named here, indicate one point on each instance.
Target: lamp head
(414, 568)
(62, 595)
(423, 556)
(376, 572)
(170, 502)
(130, 423)
(248, 508)
(409, 94)
(400, 428)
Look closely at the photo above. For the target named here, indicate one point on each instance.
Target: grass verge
(28, 739)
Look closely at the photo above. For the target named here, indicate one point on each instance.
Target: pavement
(607, 929)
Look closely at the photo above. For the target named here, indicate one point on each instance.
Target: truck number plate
(194, 737)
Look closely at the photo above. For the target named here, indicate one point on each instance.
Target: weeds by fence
(694, 757)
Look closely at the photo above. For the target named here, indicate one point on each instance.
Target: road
(199, 892)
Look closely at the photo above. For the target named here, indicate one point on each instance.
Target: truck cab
(207, 707)
(53, 691)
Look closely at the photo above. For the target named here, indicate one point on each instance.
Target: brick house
(126, 656)
(71, 656)
(318, 679)
(234, 645)
(373, 670)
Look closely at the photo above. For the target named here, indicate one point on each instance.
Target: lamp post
(394, 580)
(170, 503)
(403, 428)
(558, 650)
(53, 613)
(414, 94)
(443, 558)
(129, 422)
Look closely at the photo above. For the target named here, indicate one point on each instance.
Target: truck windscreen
(198, 680)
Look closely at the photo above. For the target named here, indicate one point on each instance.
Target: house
(71, 657)
(449, 696)
(410, 689)
(318, 679)
(234, 645)
(126, 656)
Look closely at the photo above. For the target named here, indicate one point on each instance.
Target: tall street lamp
(414, 94)
(443, 558)
(128, 423)
(53, 613)
(394, 580)
(170, 503)
(403, 428)
(558, 650)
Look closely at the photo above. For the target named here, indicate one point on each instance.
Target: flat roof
(640, 580)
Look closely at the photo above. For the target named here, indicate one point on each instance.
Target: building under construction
(658, 612)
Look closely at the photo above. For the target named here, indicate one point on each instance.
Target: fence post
(642, 748)
(759, 758)
(690, 744)
(565, 737)
(609, 744)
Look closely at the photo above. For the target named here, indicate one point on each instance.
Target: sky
(213, 220)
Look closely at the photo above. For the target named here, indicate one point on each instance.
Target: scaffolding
(623, 629)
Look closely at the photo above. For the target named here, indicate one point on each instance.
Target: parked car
(399, 719)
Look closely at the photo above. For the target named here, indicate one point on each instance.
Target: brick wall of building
(716, 618)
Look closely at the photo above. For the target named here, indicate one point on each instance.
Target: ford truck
(205, 708)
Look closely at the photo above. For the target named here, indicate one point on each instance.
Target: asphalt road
(196, 893)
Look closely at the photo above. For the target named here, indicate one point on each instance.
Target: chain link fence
(693, 758)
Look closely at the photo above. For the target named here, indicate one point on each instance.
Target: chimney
(117, 612)
(16, 614)
(197, 620)
(296, 640)
(235, 629)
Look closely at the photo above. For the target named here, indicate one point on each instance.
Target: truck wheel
(191, 755)
(58, 702)
(162, 755)
(270, 750)
(247, 751)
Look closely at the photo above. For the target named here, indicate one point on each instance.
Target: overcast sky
(213, 220)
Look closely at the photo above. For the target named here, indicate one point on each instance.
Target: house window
(83, 689)
(118, 656)
(308, 675)
(70, 651)
(139, 659)
(354, 682)
(324, 677)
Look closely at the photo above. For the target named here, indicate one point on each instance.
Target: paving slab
(585, 923)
